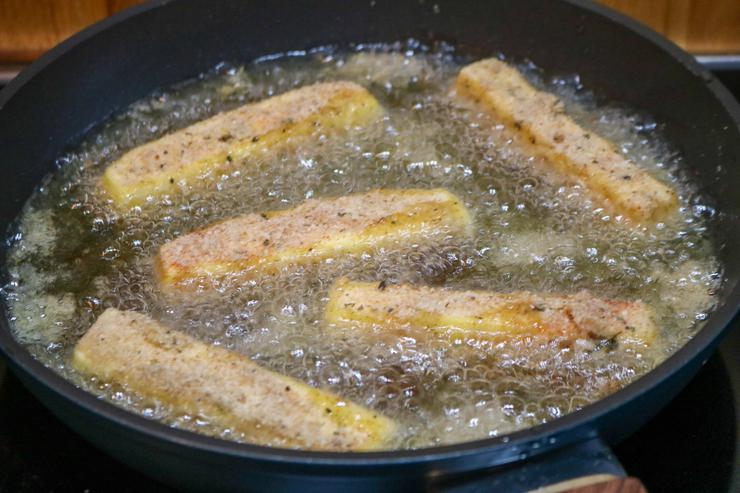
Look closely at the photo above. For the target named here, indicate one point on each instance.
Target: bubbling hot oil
(73, 256)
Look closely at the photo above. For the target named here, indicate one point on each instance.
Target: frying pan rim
(718, 322)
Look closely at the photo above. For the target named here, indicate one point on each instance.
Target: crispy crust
(159, 363)
(317, 229)
(538, 117)
(227, 139)
(488, 315)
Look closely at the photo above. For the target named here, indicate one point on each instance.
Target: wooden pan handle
(598, 483)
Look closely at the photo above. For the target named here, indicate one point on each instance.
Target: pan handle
(585, 467)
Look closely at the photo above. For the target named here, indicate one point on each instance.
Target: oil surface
(73, 255)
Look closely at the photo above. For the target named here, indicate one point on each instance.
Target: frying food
(315, 230)
(412, 255)
(168, 366)
(487, 315)
(183, 157)
(576, 152)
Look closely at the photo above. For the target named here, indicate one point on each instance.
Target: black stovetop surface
(692, 446)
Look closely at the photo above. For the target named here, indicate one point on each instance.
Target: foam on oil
(73, 256)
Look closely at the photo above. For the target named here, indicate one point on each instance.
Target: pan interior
(72, 256)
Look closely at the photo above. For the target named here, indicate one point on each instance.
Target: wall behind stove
(30, 27)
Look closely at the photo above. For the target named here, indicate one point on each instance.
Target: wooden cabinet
(30, 27)
(699, 26)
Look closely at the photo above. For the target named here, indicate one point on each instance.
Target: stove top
(693, 445)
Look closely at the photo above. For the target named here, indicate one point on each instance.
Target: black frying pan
(108, 66)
